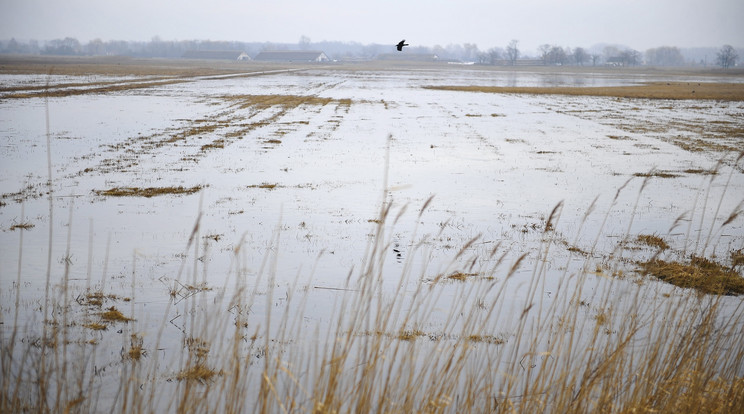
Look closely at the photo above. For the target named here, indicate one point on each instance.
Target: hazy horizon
(633, 23)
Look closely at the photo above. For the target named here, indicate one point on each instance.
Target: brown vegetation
(700, 274)
(147, 191)
(652, 90)
(23, 226)
(653, 241)
(657, 173)
(114, 315)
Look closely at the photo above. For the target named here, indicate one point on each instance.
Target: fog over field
(639, 25)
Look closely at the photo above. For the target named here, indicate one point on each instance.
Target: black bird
(400, 45)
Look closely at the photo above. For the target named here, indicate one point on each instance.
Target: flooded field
(262, 219)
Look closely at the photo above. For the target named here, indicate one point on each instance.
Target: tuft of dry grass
(114, 315)
(96, 326)
(652, 241)
(97, 298)
(410, 334)
(701, 171)
(198, 372)
(657, 173)
(147, 191)
(488, 339)
(23, 226)
(460, 276)
(737, 258)
(136, 351)
(197, 347)
(265, 186)
(701, 274)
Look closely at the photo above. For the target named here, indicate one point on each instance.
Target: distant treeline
(546, 54)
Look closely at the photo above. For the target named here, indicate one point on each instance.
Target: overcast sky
(639, 24)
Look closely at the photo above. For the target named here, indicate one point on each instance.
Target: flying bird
(400, 45)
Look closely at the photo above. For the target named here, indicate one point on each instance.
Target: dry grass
(147, 191)
(97, 298)
(136, 350)
(561, 355)
(653, 90)
(114, 315)
(127, 66)
(286, 101)
(700, 274)
(657, 174)
(198, 372)
(459, 276)
(96, 326)
(653, 241)
(410, 335)
(737, 258)
(149, 73)
(22, 226)
(701, 171)
(265, 186)
(488, 339)
(91, 88)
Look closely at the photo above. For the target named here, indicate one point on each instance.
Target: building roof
(292, 56)
(216, 54)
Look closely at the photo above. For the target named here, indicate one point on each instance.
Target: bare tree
(470, 52)
(610, 52)
(630, 57)
(664, 56)
(553, 55)
(557, 56)
(726, 57)
(95, 47)
(512, 51)
(580, 56)
(304, 42)
(66, 46)
(494, 54)
(544, 52)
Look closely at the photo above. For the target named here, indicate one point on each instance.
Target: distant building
(292, 56)
(216, 55)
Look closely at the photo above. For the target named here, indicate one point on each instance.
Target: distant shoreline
(124, 65)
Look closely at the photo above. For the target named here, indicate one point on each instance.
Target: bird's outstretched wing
(400, 45)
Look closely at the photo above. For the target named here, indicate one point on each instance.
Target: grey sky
(639, 24)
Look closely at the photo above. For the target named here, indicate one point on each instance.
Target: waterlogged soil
(153, 190)
(307, 152)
